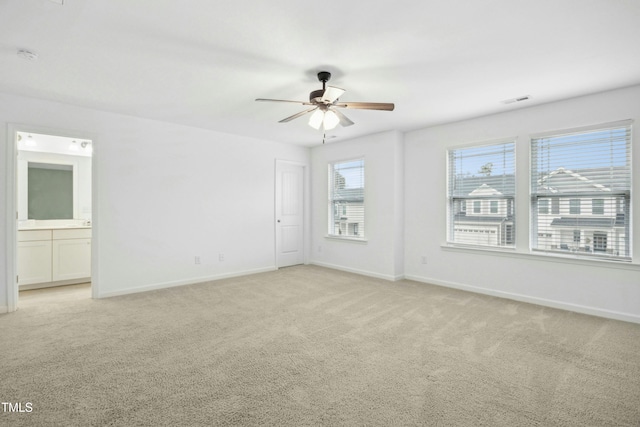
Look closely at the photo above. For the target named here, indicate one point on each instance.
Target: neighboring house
(580, 214)
(575, 213)
(484, 218)
(348, 212)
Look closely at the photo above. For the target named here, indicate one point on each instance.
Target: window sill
(543, 256)
(347, 239)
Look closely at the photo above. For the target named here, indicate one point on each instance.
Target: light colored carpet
(312, 346)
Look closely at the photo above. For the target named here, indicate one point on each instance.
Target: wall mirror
(53, 179)
(50, 191)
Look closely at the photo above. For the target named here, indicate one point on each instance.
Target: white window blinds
(346, 199)
(481, 191)
(585, 176)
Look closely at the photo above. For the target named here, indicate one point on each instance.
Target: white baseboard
(593, 311)
(191, 281)
(357, 271)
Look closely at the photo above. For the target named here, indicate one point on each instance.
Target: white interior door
(289, 214)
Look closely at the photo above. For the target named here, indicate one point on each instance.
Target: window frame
(584, 207)
(340, 207)
(505, 236)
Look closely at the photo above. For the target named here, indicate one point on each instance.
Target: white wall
(608, 289)
(381, 255)
(163, 194)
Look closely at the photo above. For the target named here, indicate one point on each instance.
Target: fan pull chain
(324, 135)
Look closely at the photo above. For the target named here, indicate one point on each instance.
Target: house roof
(559, 181)
(563, 180)
(461, 217)
(591, 222)
(349, 194)
(485, 190)
(483, 186)
(202, 63)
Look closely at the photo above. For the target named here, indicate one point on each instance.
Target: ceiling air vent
(518, 99)
(27, 55)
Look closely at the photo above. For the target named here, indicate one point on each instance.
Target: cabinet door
(34, 262)
(71, 259)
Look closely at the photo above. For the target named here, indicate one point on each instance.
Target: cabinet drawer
(77, 233)
(33, 235)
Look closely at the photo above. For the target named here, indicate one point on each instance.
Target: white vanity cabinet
(34, 256)
(71, 254)
(54, 256)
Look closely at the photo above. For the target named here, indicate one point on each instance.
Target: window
(600, 242)
(346, 199)
(574, 206)
(481, 190)
(576, 236)
(543, 206)
(576, 169)
(597, 207)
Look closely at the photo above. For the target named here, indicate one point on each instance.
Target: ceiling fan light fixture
(331, 120)
(325, 106)
(316, 119)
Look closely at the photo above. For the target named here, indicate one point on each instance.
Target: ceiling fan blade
(344, 120)
(384, 106)
(331, 94)
(283, 100)
(295, 116)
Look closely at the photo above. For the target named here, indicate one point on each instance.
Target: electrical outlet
(197, 260)
(220, 257)
(423, 259)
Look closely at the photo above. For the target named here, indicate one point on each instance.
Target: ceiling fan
(325, 105)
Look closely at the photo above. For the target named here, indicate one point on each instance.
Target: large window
(586, 175)
(346, 199)
(481, 189)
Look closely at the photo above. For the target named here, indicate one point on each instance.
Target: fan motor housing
(316, 95)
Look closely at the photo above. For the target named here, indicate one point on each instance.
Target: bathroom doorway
(54, 217)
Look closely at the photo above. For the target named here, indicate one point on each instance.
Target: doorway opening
(53, 204)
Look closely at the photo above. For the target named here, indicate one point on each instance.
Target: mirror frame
(23, 179)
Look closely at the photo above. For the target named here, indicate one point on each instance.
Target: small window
(600, 242)
(543, 206)
(576, 236)
(597, 206)
(555, 206)
(477, 206)
(574, 206)
(346, 198)
(494, 207)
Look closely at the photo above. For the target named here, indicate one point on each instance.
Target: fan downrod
(316, 95)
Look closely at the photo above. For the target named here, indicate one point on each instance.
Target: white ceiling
(202, 62)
